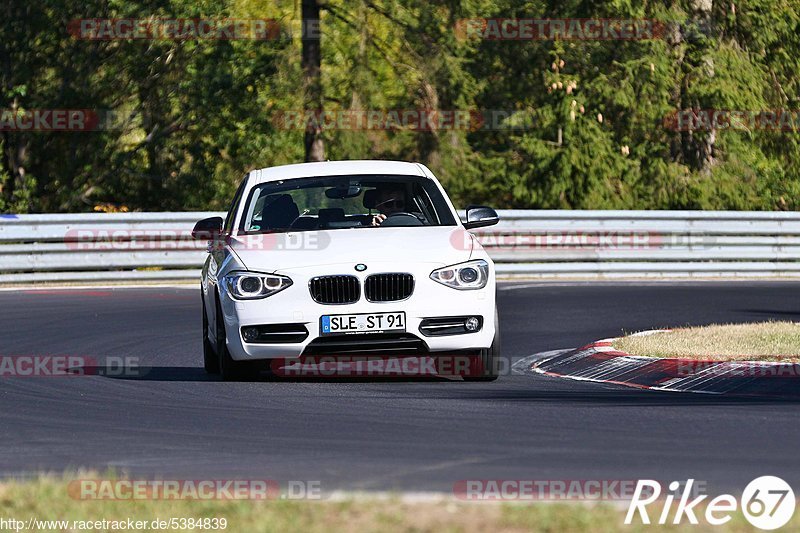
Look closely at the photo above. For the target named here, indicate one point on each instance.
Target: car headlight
(252, 286)
(464, 276)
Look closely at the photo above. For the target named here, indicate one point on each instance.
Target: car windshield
(343, 202)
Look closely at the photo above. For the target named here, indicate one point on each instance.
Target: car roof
(336, 168)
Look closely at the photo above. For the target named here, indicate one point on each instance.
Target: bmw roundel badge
(361, 267)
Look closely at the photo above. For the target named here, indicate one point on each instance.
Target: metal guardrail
(158, 246)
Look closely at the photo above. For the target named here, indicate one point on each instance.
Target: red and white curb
(600, 362)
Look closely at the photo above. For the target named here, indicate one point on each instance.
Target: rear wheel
(210, 361)
(229, 369)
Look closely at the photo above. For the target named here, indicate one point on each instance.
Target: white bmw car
(343, 258)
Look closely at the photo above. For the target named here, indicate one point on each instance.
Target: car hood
(442, 245)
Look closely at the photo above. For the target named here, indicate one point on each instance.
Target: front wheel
(210, 360)
(229, 369)
(490, 357)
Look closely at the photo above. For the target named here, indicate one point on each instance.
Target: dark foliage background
(585, 127)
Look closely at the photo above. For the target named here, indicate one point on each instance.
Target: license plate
(362, 323)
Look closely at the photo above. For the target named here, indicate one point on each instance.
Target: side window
(228, 227)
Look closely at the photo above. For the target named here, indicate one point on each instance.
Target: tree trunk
(15, 155)
(312, 80)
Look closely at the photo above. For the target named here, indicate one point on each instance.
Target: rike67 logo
(767, 502)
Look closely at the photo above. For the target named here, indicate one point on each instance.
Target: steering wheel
(402, 219)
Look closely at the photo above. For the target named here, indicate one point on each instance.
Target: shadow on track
(770, 312)
(594, 393)
(198, 374)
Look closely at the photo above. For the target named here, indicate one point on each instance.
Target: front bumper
(294, 305)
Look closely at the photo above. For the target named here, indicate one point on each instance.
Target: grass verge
(767, 341)
(47, 498)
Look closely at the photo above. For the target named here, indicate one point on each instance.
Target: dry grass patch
(768, 341)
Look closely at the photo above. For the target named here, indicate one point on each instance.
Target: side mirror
(207, 229)
(479, 216)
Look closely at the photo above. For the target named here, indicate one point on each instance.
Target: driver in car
(390, 200)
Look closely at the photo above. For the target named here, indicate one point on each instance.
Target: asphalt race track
(176, 422)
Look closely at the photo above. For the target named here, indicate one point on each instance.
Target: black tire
(210, 360)
(229, 369)
(490, 357)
